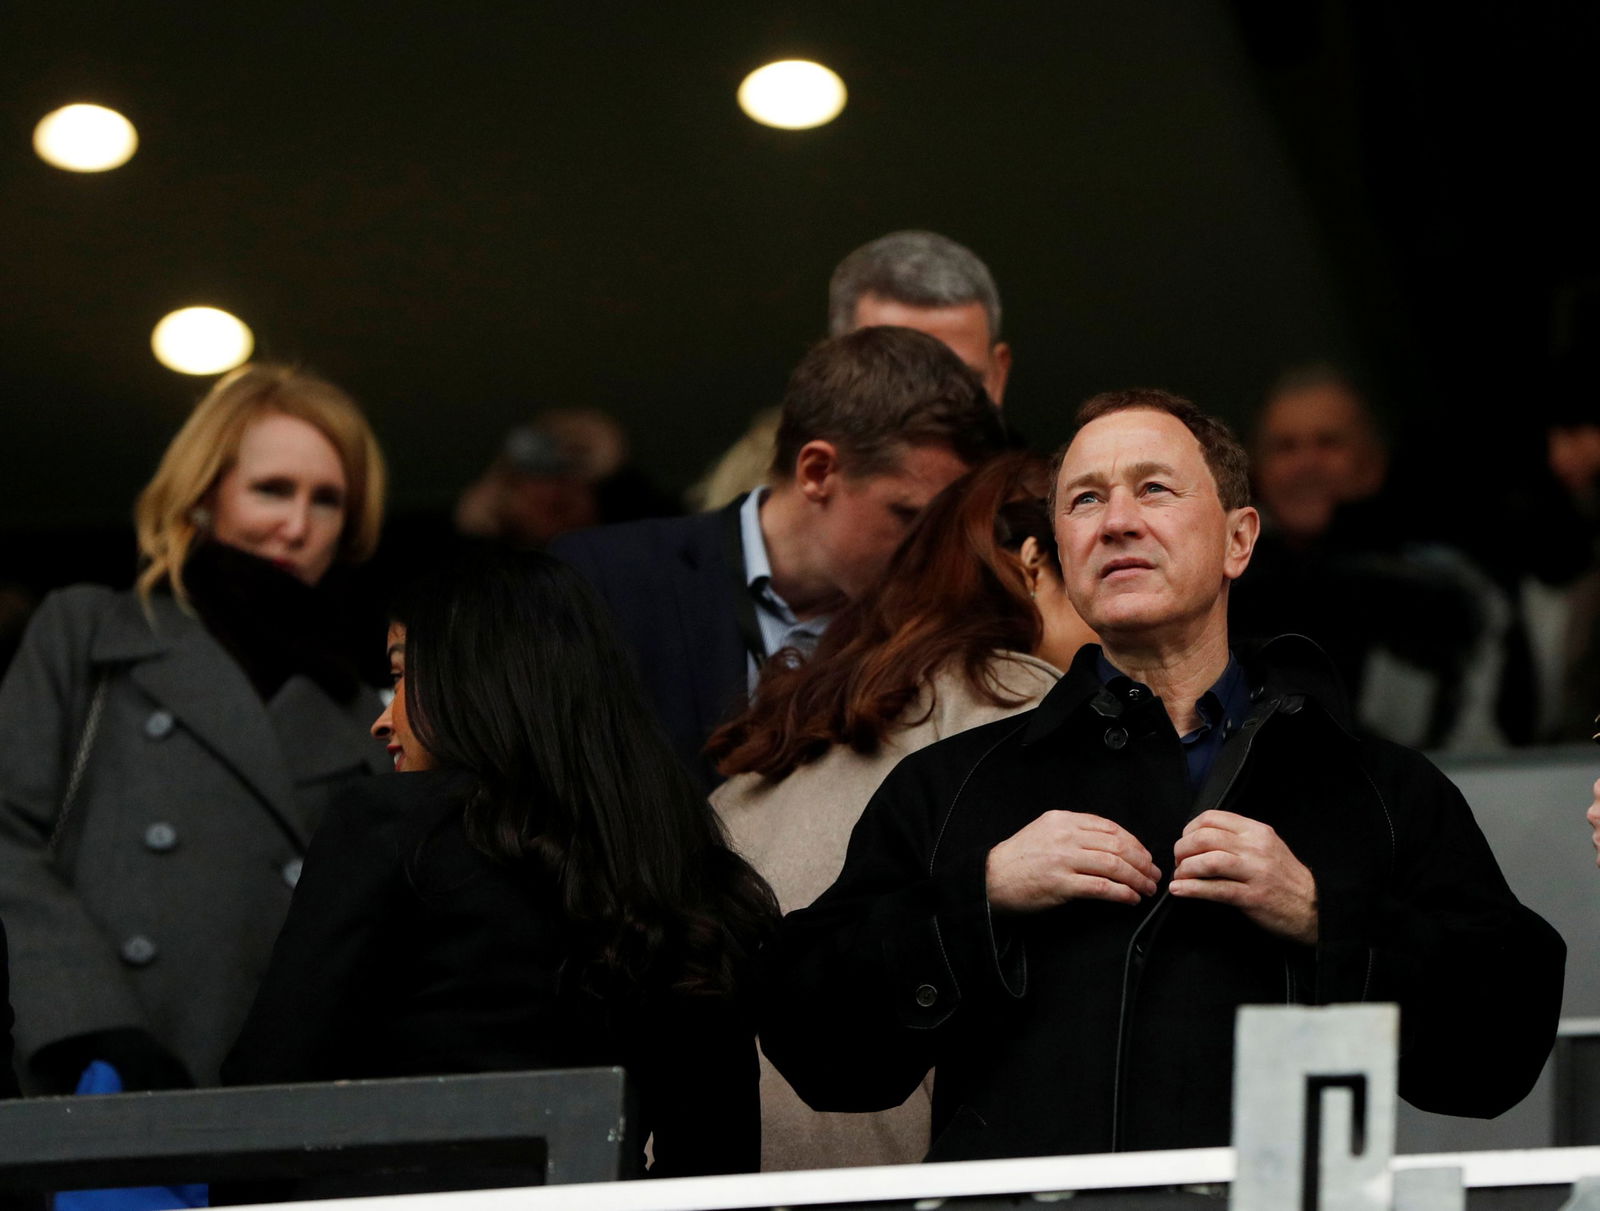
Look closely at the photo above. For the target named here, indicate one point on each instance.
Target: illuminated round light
(201, 340)
(85, 138)
(792, 94)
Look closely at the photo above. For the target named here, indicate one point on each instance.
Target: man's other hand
(1064, 856)
(1594, 820)
(1232, 859)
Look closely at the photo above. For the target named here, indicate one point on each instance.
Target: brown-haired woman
(168, 749)
(970, 623)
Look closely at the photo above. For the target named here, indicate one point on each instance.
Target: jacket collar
(1290, 668)
(1286, 670)
(136, 629)
(173, 659)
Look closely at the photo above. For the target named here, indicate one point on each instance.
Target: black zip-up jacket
(1095, 1026)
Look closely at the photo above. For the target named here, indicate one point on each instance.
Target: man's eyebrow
(1147, 470)
(1134, 471)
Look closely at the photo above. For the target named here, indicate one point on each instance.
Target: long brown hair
(952, 595)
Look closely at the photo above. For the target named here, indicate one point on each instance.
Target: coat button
(138, 951)
(291, 871)
(1136, 693)
(1116, 738)
(161, 838)
(927, 994)
(159, 725)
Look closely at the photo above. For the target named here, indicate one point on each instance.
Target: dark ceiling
(467, 213)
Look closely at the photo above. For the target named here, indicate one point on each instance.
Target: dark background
(464, 214)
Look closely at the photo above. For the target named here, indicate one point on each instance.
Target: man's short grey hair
(916, 268)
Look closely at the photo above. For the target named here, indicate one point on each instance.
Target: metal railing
(522, 1128)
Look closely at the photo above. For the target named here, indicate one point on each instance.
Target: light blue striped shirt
(779, 627)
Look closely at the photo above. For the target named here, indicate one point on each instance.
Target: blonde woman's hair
(745, 465)
(208, 445)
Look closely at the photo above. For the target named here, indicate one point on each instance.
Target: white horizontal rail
(913, 1183)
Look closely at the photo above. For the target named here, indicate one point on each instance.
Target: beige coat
(795, 833)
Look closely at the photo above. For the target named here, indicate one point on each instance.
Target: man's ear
(1244, 527)
(994, 379)
(816, 470)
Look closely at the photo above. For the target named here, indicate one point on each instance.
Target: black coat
(675, 588)
(1096, 1026)
(408, 952)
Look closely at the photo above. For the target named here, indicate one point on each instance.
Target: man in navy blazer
(875, 423)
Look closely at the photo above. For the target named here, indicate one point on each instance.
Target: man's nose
(1121, 514)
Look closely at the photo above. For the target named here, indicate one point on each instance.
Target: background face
(964, 328)
(866, 517)
(1316, 449)
(393, 727)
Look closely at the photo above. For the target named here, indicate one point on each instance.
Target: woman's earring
(200, 517)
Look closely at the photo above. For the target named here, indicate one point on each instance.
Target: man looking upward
(1063, 911)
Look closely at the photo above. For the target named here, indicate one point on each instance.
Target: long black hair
(515, 674)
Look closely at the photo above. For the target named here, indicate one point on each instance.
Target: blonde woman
(166, 751)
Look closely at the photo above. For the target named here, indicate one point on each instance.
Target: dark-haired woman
(970, 623)
(544, 888)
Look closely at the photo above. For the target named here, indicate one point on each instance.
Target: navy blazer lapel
(708, 618)
(179, 664)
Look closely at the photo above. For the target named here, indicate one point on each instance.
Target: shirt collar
(1227, 702)
(757, 563)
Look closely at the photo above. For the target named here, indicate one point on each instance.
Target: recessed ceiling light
(792, 94)
(201, 340)
(85, 138)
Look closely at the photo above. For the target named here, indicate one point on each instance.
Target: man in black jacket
(1062, 911)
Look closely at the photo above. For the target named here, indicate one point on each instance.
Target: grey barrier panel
(1576, 1064)
(1530, 804)
(1429, 1190)
(559, 1126)
(1314, 1107)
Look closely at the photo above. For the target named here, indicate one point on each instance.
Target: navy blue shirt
(1222, 710)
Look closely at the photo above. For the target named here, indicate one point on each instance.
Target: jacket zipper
(1124, 1008)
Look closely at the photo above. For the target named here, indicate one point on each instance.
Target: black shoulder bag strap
(56, 846)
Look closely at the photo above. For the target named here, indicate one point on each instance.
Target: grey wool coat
(156, 905)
